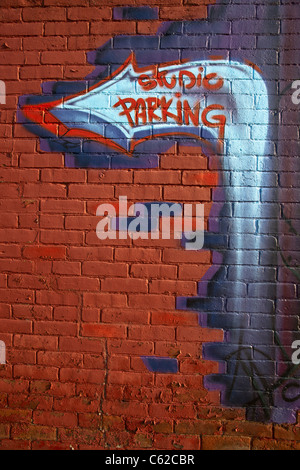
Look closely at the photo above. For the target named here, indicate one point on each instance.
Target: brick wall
(82, 318)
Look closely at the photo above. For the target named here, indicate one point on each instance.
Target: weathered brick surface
(77, 313)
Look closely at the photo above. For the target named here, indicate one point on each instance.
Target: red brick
(5, 311)
(244, 428)
(8, 190)
(35, 372)
(62, 206)
(76, 404)
(33, 432)
(44, 14)
(47, 252)
(124, 315)
(4, 431)
(63, 57)
(150, 271)
(22, 29)
(195, 366)
(93, 362)
(190, 271)
(62, 2)
(98, 268)
(63, 176)
(47, 44)
(35, 342)
(174, 318)
(41, 160)
(18, 296)
(15, 326)
(28, 220)
(173, 287)
(139, 348)
(186, 333)
(91, 191)
(80, 345)
(85, 222)
(12, 251)
(108, 27)
(21, 357)
(41, 72)
(181, 163)
(55, 328)
(274, 444)
(9, 15)
(182, 12)
(9, 220)
(87, 42)
(148, 27)
(9, 72)
(139, 192)
(90, 315)
(15, 416)
(52, 221)
(29, 281)
(119, 363)
(124, 409)
(124, 285)
(104, 331)
(152, 301)
(77, 71)
(183, 256)
(90, 253)
(67, 267)
(65, 313)
(30, 402)
(66, 29)
(131, 378)
(15, 445)
(88, 13)
(55, 419)
(225, 443)
(78, 283)
(61, 237)
(157, 177)
(200, 178)
(187, 193)
(137, 254)
(110, 176)
(82, 375)
(104, 300)
(13, 386)
(48, 445)
(157, 410)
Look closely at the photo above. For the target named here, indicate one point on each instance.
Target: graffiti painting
(215, 84)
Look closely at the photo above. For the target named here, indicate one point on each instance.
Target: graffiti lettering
(145, 111)
(185, 79)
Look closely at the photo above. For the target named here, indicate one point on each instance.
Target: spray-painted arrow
(212, 101)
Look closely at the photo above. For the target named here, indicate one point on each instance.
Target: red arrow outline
(41, 113)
